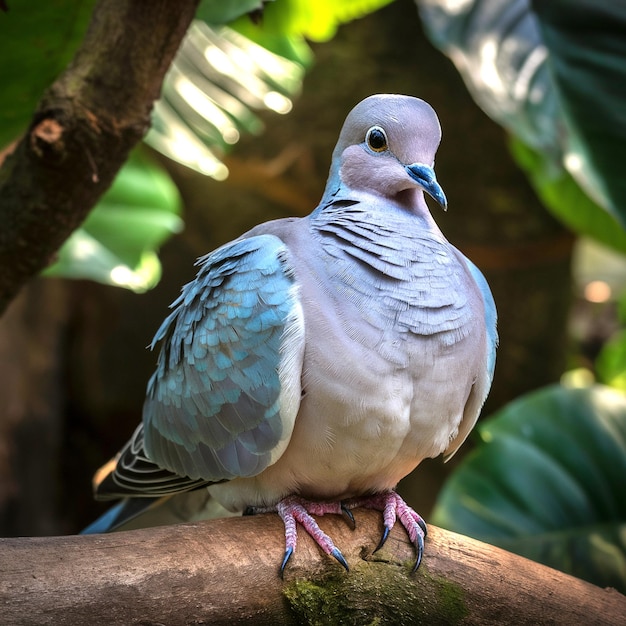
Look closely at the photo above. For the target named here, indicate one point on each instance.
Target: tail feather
(134, 513)
(120, 514)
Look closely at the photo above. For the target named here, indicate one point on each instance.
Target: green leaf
(498, 49)
(611, 362)
(587, 57)
(316, 20)
(218, 82)
(552, 74)
(37, 41)
(547, 482)
(286, 24)
(84, 257)
(223, 76)
(560, 193)
(289, 46)
(116, 244)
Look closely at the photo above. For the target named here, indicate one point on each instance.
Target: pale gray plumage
(323, 357)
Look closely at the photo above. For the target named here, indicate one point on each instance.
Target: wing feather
(481, 386)
(223, 400)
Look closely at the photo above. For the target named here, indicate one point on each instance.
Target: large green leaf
(497, 47)
(587, 57)
(117, 242)
(547, 482)
(552, 73)
(37, 41)
(560, 193)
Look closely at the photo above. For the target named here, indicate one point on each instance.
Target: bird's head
(387, 147)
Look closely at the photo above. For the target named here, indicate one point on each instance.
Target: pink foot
(393, 507)
(294, 509)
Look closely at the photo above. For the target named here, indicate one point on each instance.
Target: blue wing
(481, 386)
(224, 397)
(491, 316)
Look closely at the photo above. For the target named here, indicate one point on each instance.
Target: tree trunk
(226, 572)
(82, 131)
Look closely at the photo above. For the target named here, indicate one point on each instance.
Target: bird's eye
(376, 139)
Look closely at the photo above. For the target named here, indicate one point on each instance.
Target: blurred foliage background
(532, 104)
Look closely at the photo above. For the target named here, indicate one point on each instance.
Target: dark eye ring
(376, 139)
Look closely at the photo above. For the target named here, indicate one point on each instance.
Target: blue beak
(424, 175)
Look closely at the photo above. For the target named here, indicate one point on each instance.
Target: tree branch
(82, 131)
(226, 571)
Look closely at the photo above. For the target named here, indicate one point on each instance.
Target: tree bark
(82, 131)
(226, 571)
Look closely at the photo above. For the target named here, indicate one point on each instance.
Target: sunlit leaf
(217, 84)
(287, 24)
(547, 482)
(83, 256)
(611, 362)
(222, 77)
(117, 242)
(316, 20)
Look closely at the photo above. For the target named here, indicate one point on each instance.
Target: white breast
(386, 377)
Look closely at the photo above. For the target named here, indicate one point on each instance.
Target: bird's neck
(382, 234)
(347, 205)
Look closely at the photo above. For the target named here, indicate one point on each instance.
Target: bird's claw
(288, 553)
(294, 510)
(394, 507)
(419, 548)
(381, 543)
(348, 513)
(337, 554)
(418, 544)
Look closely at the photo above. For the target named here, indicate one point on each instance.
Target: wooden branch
(226, 572)
(82, 131)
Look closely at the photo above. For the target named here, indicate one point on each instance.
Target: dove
(314, 362)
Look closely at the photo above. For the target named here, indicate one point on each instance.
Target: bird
(315, 361)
